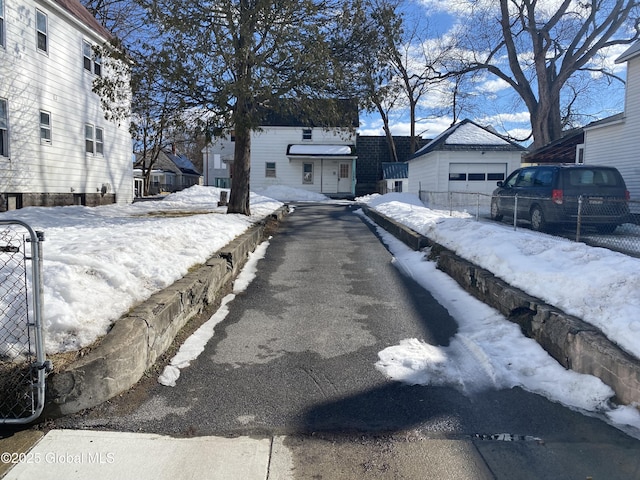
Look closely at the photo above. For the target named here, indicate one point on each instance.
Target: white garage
(464, 158)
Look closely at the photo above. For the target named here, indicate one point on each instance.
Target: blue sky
(495, 103)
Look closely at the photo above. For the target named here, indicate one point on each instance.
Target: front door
(344, 177)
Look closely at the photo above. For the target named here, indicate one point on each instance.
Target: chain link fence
(23, 366)
(597, 221)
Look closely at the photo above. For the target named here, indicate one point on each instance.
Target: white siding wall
(615, 144)
(56, 82)
(270, 145)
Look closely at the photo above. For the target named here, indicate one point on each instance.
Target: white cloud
(502, 118)
(492, 86)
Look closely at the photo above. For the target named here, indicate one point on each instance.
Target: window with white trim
(580, 153)
(2, 39)
(45, 127)
(99, 141)
(91, 61)
(88, 139)
(94, 139)
(307, 134)
(270, 169)
(42, 31)
(307, 173)
(4, 128)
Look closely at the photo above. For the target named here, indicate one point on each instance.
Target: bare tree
(544, 48)
(238, 58)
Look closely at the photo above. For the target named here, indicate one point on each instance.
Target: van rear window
(592, 177)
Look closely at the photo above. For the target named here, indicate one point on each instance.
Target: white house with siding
(56, 148)
(287, 151)
(612, 141)
(464, 158)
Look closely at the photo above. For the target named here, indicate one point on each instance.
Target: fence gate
(23, 367)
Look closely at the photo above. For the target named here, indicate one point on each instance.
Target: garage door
(475, 177)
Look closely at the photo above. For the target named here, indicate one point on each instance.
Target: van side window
(544, 178)
(525, 179)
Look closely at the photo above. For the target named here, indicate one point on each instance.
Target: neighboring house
(612, 141)
(568, 149)
(395, 177)
(170, 172)
(464, 158)
(216, 168)
(297, 153)
(56, 148)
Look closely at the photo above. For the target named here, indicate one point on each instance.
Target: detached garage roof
(468, 135)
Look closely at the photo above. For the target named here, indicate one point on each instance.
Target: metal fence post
(515, 212)
(579, 220)
(24, 365)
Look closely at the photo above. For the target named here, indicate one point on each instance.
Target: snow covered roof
(318, 150)
(468, 135)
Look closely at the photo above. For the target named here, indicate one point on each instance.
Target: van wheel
(538, 223)
(495, 214)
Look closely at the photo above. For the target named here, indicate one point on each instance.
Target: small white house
(464, 158)
(56, 148)
(612, 141)
(289, 152)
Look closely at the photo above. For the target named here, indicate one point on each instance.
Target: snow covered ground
(98, 262)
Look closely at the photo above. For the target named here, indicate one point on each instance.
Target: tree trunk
(387, 131)
(546, 122)
(240, 189)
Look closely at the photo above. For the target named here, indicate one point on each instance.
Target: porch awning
(316, 150)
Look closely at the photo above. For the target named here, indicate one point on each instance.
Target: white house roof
(630, 52)
(468, 135)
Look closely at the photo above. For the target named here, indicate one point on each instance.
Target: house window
(99, 141)
(270, 171)
(92, 63)
(45, 127)
(307, 173)
(4, 129)
(397, 186)
(457, 177)
(307, 134)
(88, 139)
(580, 153)
(344, 170)
(42, 31)
(2, 44)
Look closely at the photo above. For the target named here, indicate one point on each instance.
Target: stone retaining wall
(574, 343)
(137, 340)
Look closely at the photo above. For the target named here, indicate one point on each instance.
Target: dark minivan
(550, 196)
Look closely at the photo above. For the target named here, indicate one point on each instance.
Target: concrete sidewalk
(82, 454)
(102, 455)
(98, 455)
